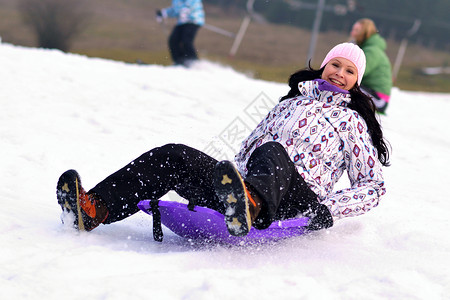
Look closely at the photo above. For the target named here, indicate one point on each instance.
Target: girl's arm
(364, 171)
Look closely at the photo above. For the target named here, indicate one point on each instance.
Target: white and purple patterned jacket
(323, 137)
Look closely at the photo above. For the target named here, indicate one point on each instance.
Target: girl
(286, 167)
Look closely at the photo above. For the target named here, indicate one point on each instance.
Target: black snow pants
(181, 43)
(189, 172)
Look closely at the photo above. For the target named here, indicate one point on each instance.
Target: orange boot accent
(93, 207)
(250, 197)
(255, 203)
(87, 205)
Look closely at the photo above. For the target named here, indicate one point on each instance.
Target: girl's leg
(176, 167)
(274, 178)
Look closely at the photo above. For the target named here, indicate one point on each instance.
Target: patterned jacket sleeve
(364, 172)
(257, 134)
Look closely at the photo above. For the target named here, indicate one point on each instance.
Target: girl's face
(340, 72)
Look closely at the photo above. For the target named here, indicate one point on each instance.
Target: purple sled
(206, 224)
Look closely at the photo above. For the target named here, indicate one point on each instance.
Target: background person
(190, 17)
(377, 81)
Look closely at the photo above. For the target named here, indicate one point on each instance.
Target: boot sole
(230, 189)
(68, 195)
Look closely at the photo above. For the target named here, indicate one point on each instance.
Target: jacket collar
(321, 90)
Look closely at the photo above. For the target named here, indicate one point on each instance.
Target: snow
(61, 111)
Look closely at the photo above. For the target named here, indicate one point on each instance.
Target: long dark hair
(360, 102)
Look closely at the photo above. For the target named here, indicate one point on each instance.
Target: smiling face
(340, 72)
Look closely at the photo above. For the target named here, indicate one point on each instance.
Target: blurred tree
(55, 22)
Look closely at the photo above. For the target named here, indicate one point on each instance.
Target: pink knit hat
(351, 52)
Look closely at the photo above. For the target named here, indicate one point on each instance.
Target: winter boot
(88, 209)
(241, 205)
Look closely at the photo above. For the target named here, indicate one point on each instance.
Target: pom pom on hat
(351, 52)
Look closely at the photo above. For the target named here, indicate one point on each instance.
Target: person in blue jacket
(190, 17)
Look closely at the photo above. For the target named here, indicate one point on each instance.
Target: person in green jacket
(377, 81)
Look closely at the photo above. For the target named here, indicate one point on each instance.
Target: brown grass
(127, 30)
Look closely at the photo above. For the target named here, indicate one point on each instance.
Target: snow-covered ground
(61, 111)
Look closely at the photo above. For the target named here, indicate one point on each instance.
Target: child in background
(190, 17)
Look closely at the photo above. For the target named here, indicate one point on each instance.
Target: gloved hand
(322, 218)
(159, 16)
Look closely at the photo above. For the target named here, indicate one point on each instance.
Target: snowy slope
(61, 111)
